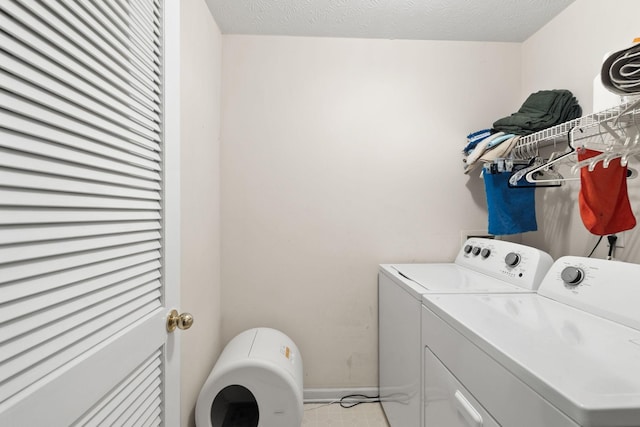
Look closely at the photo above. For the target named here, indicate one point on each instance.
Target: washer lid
(586, 366)
(451, 278)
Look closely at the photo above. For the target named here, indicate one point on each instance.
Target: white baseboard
(326, 395)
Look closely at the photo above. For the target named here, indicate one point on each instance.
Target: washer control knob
(485, 253)
(476, 250)
(572, 275)
(467, 249)
(512, 259)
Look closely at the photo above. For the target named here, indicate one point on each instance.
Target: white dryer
(481, 266)
(567, 356)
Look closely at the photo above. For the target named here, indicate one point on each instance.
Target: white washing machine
(481, 266)
(567, 356)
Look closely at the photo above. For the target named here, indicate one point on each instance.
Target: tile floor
(363, 415)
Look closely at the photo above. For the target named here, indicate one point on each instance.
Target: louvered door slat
(40, 63)
(36, 181)
(133, 33)
(92, 16)
(126, 35)
(46, 165)
(104, 14)
(52, 29)
(154, 419)
(43, 96)
(148, 9)
(109, 51)
(150, 404)
(56, 152)
(50, 321)
(151, 418)
(142, 73)
(54, 354)
(61, 121)
(14, 216)
(122, 5)
(142, 28)
(19, 271)
(133, 407)
(39, 78)
(39, 47)
(15, 253)
(70, 317)
(153, 8)
(147, 16)
(145, 61)
(69, 285)
(112, 400)
(13, 197)
(82, 135)
(34, 129)
(37, 233)
(106, 39)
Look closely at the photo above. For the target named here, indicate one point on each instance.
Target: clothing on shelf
(495, 146)
(499, 150)
(598, 145)
(473, 139)
(475, 154)
(540, 110)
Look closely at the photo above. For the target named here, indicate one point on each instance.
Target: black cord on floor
(368, 399)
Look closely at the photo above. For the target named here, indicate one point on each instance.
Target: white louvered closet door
(85, 229)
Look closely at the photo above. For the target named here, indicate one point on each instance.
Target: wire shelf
(623, 115)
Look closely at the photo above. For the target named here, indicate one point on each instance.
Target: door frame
(171, 204)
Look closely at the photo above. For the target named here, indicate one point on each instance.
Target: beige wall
(341, 154)
(200, 195)
(338, 155)
(567, 53)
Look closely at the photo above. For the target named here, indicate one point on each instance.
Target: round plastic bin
(256, 382)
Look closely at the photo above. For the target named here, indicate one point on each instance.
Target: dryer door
(446, 401)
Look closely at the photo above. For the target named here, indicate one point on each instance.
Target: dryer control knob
(572, 275)
(485, 253)
(512, 259)
(476, 251)
(467, 249)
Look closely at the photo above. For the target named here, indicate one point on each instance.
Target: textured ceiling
(470, 20)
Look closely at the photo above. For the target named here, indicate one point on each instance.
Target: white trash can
(256, 382)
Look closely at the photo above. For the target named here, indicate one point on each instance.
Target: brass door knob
(181, 321)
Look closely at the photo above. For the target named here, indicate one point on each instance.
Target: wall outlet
(619, 241)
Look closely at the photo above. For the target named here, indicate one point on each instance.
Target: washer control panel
(520, 265)
(512, 259)
(572, 276)
(609, 289)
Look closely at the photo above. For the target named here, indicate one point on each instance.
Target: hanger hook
(570, 136)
